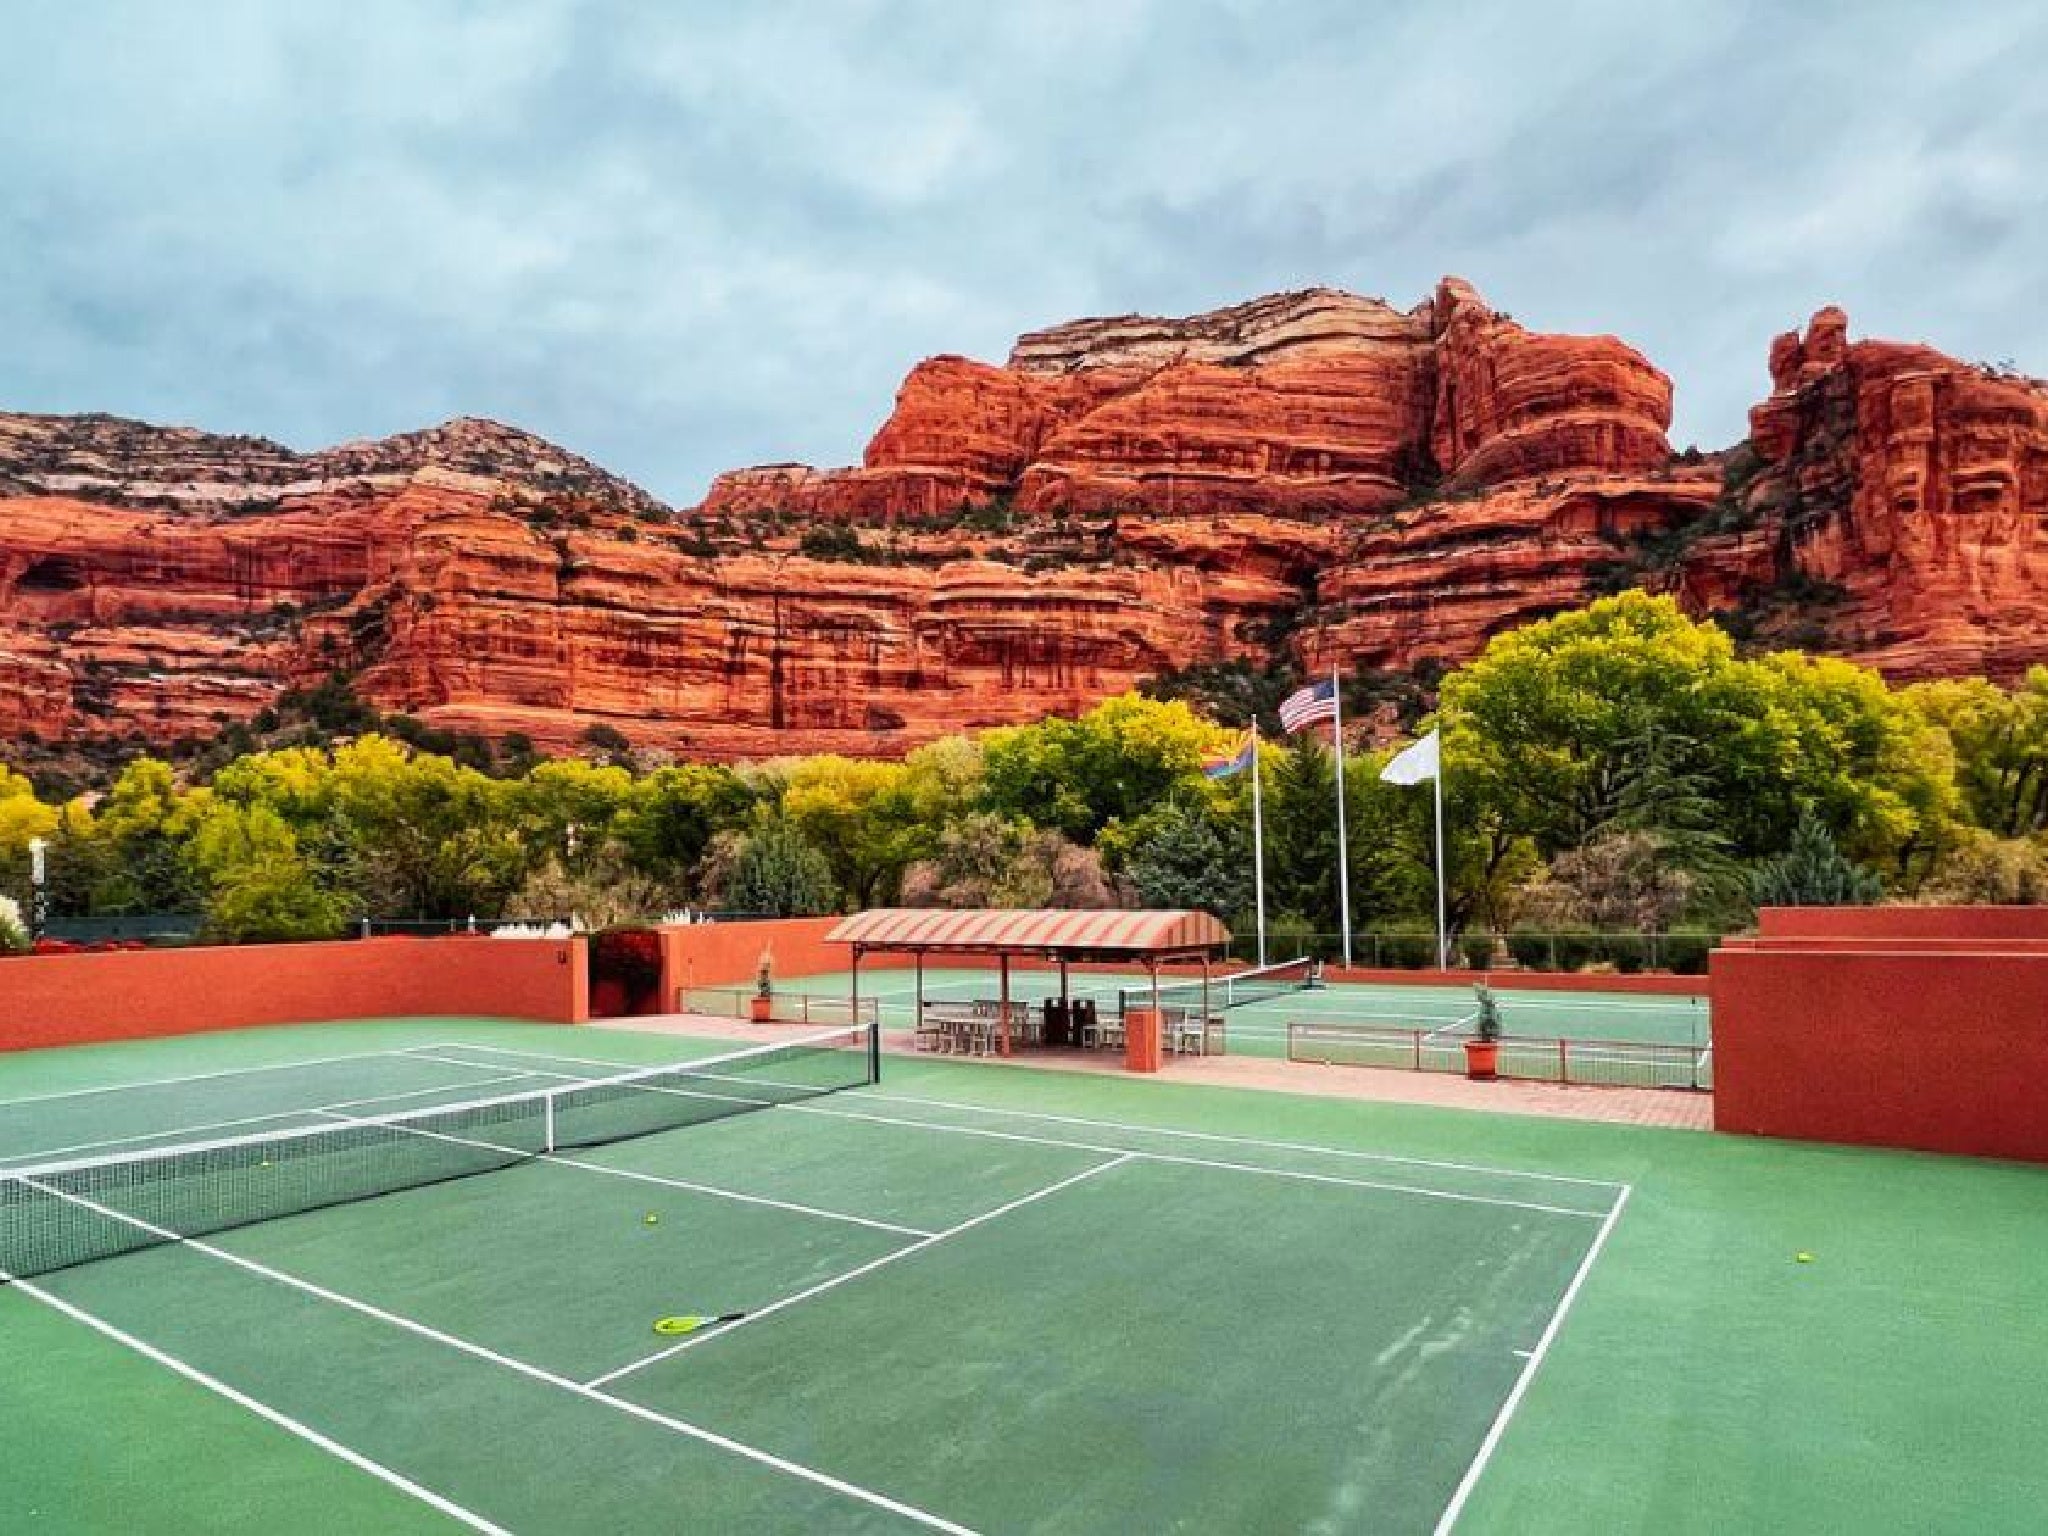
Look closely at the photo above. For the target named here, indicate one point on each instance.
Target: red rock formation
(1439, 580)
(1314, 403)
(1510, 405)
(1120, 497)
(1901, 508)
(478, 604)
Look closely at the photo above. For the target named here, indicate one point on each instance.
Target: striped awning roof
(1039, 928)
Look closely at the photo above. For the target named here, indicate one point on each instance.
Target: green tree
(140, 828)
(1115, 763)
(862, 817)
(23, 818)
(1551, 729)
(259, 887)
(2000, 741)
(1814, 872)
(671, 815)
(776, 872)
(1183, 859)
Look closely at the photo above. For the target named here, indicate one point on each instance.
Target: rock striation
(1314, 403)
(1312, 477)
(1898, 509)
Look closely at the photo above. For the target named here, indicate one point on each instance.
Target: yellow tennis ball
(1804, 1258)
(652, 1219)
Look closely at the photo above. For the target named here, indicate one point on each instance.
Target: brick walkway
(1671, 1108)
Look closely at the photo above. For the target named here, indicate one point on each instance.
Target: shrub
(1408, 947)
(1477, 948)
(1290, 936)
(1685, 951)
(1556, 947)
(1814, 872)
(13, 931)
(836, 541)
(1629, 953)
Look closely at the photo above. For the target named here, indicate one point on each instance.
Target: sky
(682, 237)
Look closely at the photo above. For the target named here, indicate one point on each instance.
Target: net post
(547, 1105)
(875, 1029)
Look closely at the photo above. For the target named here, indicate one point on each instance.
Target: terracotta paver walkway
(1667, 1107)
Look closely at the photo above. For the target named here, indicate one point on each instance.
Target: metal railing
(1682, 952)
(128, 927)
(783, 1007)
(1601, 1063)
(430, 927)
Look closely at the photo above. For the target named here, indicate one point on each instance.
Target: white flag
(1413, 764)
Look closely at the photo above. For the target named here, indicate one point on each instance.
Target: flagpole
(1443, 941)
(1343, 843)
(1258, 844)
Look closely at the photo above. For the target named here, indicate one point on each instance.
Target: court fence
(784, 1007)
(1681, 952)
(367, 927)
(1600, 1063)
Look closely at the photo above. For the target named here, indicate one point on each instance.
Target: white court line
(1381, 1185)
(866, 1269)
(44, 1153)
(262, 1410)
(1217, 1137)
(1498, 1428)
(943, 1128)
(523, 1368)
(558, 1160)
(1238, 1141)
(198, 1077)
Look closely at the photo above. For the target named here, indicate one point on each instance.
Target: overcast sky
(681, 237)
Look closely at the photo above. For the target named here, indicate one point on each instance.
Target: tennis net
(1232, 991)
(59, 1214)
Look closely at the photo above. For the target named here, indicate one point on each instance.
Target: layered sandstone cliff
(1312, 477)
(543, 598)
(1901, 499)
(1317, 403)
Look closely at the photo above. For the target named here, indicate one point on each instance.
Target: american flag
(1308, 706)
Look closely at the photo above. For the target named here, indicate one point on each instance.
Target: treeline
(1619, 769)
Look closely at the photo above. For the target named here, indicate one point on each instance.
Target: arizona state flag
(1237, 762)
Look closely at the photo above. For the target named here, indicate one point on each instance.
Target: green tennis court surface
(1014, 1301)
(1260, 1028)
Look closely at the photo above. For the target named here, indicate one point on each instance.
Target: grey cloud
(681, 238)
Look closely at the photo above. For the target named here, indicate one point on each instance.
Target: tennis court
(909, 1310)
(1260, 1027)
(1013, 1301)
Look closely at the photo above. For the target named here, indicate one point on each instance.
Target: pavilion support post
(1003, 1006)
(917, 1017)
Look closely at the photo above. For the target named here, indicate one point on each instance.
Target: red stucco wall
(1944, 1050)
(727, 954)
(72, 999)
(1979, 923)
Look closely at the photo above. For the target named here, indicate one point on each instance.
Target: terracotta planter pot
(761, 1009)
(1482, 1060)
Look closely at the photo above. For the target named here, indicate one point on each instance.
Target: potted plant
(1482, 1051)
(763, 1005)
